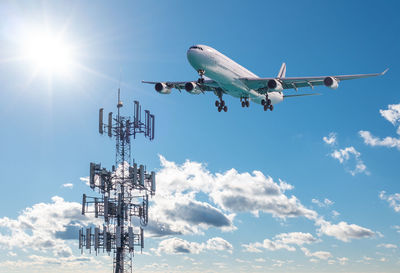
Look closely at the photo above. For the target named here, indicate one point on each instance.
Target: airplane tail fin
(282, 71)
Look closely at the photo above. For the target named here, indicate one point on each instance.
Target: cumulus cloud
(325, 203)
(180, 246)
(68, 185)
(42, 226)
(387, 245)
(392, 114)
(179, 206)
(392, 199)
(343, 231)
(281, 241)
(348, 153)
(330, 139)
(322, 255)
(343, 260)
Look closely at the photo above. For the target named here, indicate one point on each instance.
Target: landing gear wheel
(222, 103)
(269, 102)
(262, 102)
(219, 108)
(225, 108)
(247, 103)
(216, 103)
(265, 107)
(271, 107)
(243, 104)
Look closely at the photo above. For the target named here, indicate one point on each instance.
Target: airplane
(224, 76)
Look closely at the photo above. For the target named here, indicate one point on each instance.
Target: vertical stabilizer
(282, 71)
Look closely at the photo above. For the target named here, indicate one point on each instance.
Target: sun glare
(48, 53)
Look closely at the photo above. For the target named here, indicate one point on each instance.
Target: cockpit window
(196, 47)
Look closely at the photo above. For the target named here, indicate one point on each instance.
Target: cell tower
(124, 192)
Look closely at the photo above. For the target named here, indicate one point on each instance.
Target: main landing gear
(245, 102)
(201, 74)
(221, 104)
(267, 103)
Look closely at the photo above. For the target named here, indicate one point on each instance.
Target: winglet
(384, 72)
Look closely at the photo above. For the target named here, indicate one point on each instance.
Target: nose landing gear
(201, 74)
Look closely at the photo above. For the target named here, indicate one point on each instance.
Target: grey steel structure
(123, 192)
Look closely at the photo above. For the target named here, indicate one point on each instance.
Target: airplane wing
(261, 84)
(192, 87)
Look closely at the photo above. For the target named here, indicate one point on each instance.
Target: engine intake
(162, 88)
(275, 85)
(192, 88)
(331, 82)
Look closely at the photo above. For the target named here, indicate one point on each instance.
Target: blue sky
(338, 217)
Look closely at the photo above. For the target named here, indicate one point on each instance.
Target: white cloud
(176, 208)
(343, 260)
(392, 199)
(330, 139)
(392, 114)
(180, 246)
(397, 228)
(85, 180)
(322, 255)
(344, 155)
(343, 231)
(387, 245)
(371, 140)
(335, 213)
(43, 227)
(68, 185)
(325, 203)
(281, 241)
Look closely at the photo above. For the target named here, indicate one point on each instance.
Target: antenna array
(124, 192)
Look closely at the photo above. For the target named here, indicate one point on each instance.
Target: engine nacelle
(192, 88)
(274, 85)
(162, 88)
(331, 82)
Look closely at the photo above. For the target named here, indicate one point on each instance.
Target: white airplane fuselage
(227, 73)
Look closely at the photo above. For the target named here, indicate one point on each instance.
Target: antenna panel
(118, 237)
(83, 204)
(109, 131)
(96, 238)
(136, 113)
(96, 208)
(106, 209)
(152, 127)
(101, 120)
(153, 182)
(91, 177)
(141, 238)
(88, 237)
(141, 175)
(131, 238)
(80, 238)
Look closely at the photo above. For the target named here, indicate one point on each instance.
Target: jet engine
(192, 88)
(331, 82)
(274, 85)
(162, 88)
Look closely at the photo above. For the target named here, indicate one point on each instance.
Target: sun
(48, 53)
